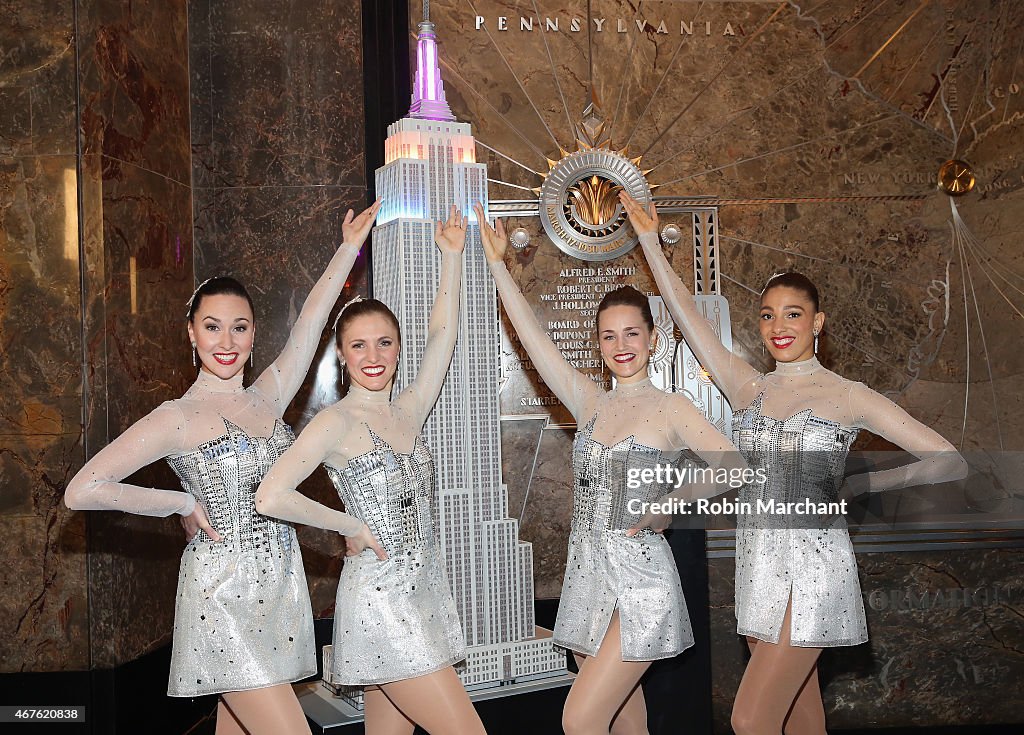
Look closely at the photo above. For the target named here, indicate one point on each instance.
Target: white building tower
(430, 164)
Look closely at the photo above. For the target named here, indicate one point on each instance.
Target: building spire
(428, 100)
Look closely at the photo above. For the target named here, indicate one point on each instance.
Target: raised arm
(282, 379)
(443, 327)
(938, 460)
(573, 388)
(278, 497)
(728, 371)
(98, 486)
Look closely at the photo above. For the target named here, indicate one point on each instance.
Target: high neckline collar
(209, 382)
(627, 389)
(803, 367)
(359, 393)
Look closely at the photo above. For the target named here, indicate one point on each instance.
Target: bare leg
(383, 717)
(267, 711)
(603, 690)
(226, 722)
(775, 676)
(436, 702)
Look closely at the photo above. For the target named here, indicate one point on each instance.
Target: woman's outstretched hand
(450, 236)
(363, 539)
(643, 220)
(494, 240)
(355, 228)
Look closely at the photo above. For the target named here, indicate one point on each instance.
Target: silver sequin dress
(811, 560)
(606, 569)
(242, 619)
(394, 619)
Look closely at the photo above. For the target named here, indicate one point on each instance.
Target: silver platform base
(329, 711)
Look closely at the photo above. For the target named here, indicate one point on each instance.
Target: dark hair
(796, 281)
(219, 286)
(362, 308)
(628, 296)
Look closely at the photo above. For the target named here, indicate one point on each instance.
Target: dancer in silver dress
(622, 604)
(796, 582)
(242, 623)
(396, 629)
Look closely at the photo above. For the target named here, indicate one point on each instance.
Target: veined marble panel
(277, 93)
(134, 83)
(43, 603)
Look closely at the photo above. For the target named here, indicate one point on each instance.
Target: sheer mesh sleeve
(687, 428)
(574, 389)
(98, 486)
(728, 371)
(281, 380)
(938, 460)
(442, 332)
(277, 495)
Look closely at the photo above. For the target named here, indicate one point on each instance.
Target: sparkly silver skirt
(242, 619)
(817, 567)
(607, 570)
(394, 619)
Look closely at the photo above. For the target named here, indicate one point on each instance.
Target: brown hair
(628, 296)
(219, 286)
(362, 308)
(796, 281)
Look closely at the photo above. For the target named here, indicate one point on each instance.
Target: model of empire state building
(430, 164)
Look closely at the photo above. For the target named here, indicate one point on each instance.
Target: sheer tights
(436, 702)
(779, 691)
(266, 711)
(606, 696)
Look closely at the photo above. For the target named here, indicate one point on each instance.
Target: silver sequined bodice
(391, 493)
(803, 456)
(602, 491)
(223, 475)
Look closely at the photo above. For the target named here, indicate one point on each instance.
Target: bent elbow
(75, 496)
(266, 501)
(263, 502)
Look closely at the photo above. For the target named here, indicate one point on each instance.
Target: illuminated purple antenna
(428, 101)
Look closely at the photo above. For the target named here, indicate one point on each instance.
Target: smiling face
(369, 348)
(788, 323)
(625, 341)
(222, 330)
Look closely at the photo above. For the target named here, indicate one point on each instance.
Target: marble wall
(43, 605)
(97, 253)
(277, 159)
